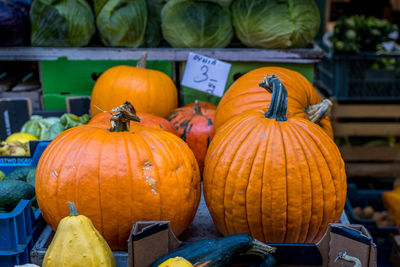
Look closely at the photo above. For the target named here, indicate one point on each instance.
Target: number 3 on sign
(206, 74)
(203, 77)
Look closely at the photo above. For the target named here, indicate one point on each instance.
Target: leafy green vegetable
(202, 24)
(49, 128)
(61, 23)
(153, 34)
(121, 23)
(275, 24)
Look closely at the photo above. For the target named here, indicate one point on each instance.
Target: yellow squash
(176, 262)
(77, 243)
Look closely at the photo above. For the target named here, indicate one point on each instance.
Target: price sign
(206, 74)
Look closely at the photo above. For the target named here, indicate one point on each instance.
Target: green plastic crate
(188, 95)
(65, 78)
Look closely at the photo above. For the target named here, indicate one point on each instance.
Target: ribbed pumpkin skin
(147, 120)
(277, 181)
(197, 130)
(245, 94)
(149, 91)
(118, 178)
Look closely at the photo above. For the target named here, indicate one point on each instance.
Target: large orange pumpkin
(194, 123)
(245, 94)
(149, 91)
(119, 177)
(278, 179)
(146, 119)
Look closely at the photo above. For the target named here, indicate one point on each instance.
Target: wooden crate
(368, 120)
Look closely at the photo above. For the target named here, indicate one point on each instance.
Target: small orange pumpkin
(149, 91)
(146, 119)
(194, 123)
(277, 178)
(119, 176)
(245, 94)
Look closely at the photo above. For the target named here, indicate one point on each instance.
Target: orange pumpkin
(149, 91)
(278, 179)
(194, 123)
(146, 119)
(116, 177)
(245, 94)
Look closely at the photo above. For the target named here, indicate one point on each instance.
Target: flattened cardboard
(14, 112)
(149, 241)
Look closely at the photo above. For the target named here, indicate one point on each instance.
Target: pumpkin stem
(72, 209)
(142, 61)
(120, 120)
(278, 106)
(197, 108)
(316, 112)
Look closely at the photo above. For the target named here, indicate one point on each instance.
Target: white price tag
(206, 74)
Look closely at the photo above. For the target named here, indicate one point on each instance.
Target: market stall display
(272, 159)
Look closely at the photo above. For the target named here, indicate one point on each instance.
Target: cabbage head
(121, 23)
(275, 23)
(61, 23)
(196, 24)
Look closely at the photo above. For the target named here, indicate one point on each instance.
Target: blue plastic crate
(380, 234)
(10, 163)
(19, 230)
(359, 77)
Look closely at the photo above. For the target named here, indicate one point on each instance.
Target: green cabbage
(121, 23)
(153, 34)
(275, 23)
(49, 128)
(196, 24)
(61, 23)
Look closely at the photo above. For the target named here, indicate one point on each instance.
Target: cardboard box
(151, 240)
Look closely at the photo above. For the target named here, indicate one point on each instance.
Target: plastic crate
(10, 163)
(358, 77)
(381, 235)
(68, 78)
(19, 230)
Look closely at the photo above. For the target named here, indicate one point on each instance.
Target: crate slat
(370, 153)
(376, 170)
(365, 111)
(366, 129)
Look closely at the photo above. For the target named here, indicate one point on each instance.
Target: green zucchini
(20, 173)
(12, 191)
(218, 252)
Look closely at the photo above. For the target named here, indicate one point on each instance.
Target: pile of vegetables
(182, 23)
(17, 144)
(271, 170)
(49, 128)
(360, 33)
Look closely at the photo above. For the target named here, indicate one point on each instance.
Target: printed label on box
(206, 74)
